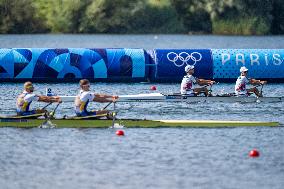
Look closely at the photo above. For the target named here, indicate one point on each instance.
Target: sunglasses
(88, 85)
(30, 87)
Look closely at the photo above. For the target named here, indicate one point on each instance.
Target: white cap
(188, 67)
(243, 69)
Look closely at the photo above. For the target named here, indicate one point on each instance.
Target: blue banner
(262, 63)
(166, 65)
(170, 63)
(73, 63)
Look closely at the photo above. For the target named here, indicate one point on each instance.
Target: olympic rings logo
(184, 58)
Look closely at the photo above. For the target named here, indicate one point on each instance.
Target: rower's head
(189, 69)
(84, 84)
(28, 86)
(243, 71)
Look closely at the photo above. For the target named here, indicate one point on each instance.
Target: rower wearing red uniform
(240, 87)
(189, 81)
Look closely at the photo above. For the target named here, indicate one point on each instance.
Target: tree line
(237, 17)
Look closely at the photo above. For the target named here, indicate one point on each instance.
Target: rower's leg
(101, 112)
(29, 114)
(255, 91)
(109, 114)
(40, 111)
(98, 112)
(201, 90)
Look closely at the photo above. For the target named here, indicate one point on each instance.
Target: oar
(51, 114)
(47, 123)
(113, 115)
(107, 105)
(261, 89)
(46, 105)
(260, 92)
(210, 89)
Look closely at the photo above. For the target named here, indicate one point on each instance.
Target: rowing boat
(129, 123)
(159, 97)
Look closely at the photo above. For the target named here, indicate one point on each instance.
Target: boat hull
(130, 123)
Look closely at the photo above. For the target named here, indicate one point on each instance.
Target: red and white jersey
(240, 87)
(187, 84)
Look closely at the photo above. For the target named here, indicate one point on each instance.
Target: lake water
(144, 158)
(141, 41)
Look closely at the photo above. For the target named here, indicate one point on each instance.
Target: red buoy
(119, 133)
(153, 88)
(254, 153)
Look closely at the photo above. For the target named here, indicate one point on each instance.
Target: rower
(240, 87)
(85, 96)
(25, 99)
(188, 81)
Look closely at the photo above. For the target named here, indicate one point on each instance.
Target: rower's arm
(50, 99)
(257, 82)
(204, 82)
(104, 98)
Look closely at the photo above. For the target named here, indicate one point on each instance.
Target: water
(144, 158)
(161, 110)
(141, 41)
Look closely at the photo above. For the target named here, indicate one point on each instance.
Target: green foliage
(277, 25)
(238, 17)
(121, 16)
(108, 16)
(17, 16)
(193, 14)
(243, 18)
(241, 26)
(153, 19)
(61, 16)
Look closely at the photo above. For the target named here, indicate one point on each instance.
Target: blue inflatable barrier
(159, 65)
(73, 64)
(262, 63)
(170, 63)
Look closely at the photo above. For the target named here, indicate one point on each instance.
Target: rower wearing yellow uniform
(85, 96)
(25, 99)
